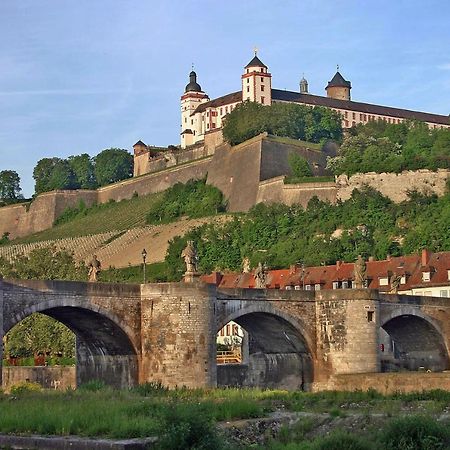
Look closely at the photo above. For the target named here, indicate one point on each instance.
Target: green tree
(53, 173)
(299, 166)
(10, 191)
(113, 164)
(83, 168)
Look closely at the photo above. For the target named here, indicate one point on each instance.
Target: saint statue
(359, 273)
(260, 276)
(94, 268)
(395, 283)
(190, 257)
(246, 265)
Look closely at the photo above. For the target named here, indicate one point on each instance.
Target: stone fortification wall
(275, 191)
(393, 185)
(58, 377)
(23, 219)
(238, 171)
(386, 383)
(153, 182)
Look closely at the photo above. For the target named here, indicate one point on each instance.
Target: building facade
(200, 115)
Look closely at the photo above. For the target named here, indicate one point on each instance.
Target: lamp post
(144, 257)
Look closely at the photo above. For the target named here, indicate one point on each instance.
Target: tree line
(279, 235)
(379, 146)
(291, 120)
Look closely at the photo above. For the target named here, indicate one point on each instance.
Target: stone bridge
(130, 334)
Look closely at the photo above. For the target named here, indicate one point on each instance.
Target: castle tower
(303, 86)
(257, 82)
(193, 96)
(338, 87)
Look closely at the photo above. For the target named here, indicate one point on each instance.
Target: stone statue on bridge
(94, 269)
(359, 273)
(260, 276)
(246, 265)
(190, 258)
(395, 283)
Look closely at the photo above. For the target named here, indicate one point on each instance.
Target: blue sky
(79, 76)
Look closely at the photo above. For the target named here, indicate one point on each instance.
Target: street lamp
(144, 257)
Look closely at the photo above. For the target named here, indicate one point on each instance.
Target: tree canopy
(53, 173)
(10, 191)
(382, 147)
(282, 119)
(113, 164)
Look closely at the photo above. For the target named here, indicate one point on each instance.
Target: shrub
(299, 166)
(415, 433)
(340, 440)
(150, 389)
(25, 387)
(93, 386)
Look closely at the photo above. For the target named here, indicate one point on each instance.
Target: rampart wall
(247, 174)
(58, 377)
(395, 185)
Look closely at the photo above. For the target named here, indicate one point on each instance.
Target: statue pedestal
(191, 277)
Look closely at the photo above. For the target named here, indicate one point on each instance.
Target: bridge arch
(279, 353)
(416, 341)
(105, 347)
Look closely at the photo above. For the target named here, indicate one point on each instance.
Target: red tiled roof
(409, 266)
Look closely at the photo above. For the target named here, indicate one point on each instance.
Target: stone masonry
(130, 334)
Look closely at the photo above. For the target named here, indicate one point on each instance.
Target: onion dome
(193, 86)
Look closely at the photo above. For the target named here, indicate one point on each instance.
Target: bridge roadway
(129, 334)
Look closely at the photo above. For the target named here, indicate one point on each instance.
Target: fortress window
(262, 100)
(221, 111)
(346, 123)
(444, 293)
(262, 88)
(353, 123)
(262, 80)
(360, 117)
(192, 121)
(248, 88)
(354, 115)
(370, 316)
(346, 114)
(185, 120)
(213, 125)
(345, 285)
(308, 287)
(248, 80)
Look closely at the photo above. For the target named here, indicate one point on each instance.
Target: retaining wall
(57, 377)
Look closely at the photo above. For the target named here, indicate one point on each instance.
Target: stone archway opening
(274, 355)
(410, 342)
(103, 350)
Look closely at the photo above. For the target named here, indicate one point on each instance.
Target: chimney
(217, 278)
(338, 264)
(426, 254)
(371, 259)
(388, 257)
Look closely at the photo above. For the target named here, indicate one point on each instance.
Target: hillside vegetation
(370, 225)
(382, 147)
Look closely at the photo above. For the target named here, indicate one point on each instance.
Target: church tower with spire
(190, 125)
(338, 87)
(257, 82)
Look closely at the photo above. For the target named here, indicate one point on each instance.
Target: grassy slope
(100, 219)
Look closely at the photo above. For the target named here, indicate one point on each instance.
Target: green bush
(93, 386)
(25, 387)
(416, 433)
(340, 440)
(193, 199)
(188, 427)
(299, 166)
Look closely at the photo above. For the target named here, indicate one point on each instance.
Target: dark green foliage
(9, 187)
(340, 440)
(382, 147)
(40, 334)
(370, 224)
(83, 168)
(416, 433)
(282, 119)
(113, 164)
(155, 273)
(193, 199)
(53, 173)
(5, 238)
(70, 214)
(189, 427)
(299, 166)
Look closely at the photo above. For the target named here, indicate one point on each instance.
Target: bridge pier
(178, 335)
(348, 323)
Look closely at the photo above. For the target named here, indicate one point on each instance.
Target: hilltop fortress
(249, 173)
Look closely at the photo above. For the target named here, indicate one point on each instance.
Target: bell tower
(193, 96)
(257, 82)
